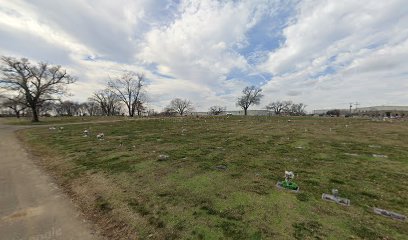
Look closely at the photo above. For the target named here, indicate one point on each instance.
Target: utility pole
(356, 104)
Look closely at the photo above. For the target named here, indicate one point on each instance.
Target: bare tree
(181, 106)
(108, 102)
(217, 110)
(279, 107)
(140, 108)
(251, 96)
(47, 107)
(38, 83)
(167, 111)
(298, 109)
(90, 107)
(16, 104)
(59, 110)
(68, 108)
(334, 112)
(128, 89)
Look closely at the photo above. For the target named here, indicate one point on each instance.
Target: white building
(375, 111)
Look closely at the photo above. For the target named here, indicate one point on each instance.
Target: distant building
(375, 111)
(383, 111)
(238, 113)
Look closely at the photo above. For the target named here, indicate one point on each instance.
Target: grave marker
(287, 184)
(334, 197)
(389, 214)
(163, 157)
(100, 136)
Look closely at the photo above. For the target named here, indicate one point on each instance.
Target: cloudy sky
(324, 53)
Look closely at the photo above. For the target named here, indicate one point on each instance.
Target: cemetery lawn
(62, 120)
(219, 180)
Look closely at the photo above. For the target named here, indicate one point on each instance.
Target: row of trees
(70, 108)
(38, 88)
(59, 108)
(127, 90)
(251, 95)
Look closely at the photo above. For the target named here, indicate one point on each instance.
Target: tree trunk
(18, 114)
(131, 111)
(245, 111)
(35, 115)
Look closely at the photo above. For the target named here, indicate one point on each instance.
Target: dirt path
(31, 206)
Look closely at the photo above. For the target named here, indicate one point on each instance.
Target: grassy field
(122, 184)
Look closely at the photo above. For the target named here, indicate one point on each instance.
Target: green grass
(187, 197)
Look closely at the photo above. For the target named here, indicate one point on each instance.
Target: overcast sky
(322, 53)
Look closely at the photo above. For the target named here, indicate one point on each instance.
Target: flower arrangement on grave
(287, 183)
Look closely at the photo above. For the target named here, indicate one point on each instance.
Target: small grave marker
(334, 197)
(351, 154)
(100, 136)
(389, 214)
(221, 167)
(163, 157)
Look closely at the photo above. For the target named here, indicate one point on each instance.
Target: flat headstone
(351, 154)
(221, 167)
(163, 157)
(389, 214)
(336, 199)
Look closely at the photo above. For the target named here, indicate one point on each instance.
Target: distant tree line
(37, 89)
(334, 112)
(287, 108)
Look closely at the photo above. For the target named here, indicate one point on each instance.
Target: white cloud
(324, 53)
(199, 40)
(18, 16)
(340, 50)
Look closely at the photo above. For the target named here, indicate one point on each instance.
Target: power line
(356, 104)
